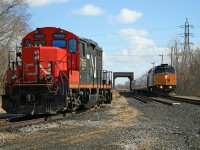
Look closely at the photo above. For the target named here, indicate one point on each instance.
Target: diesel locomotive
(56, 71)
(160, 80)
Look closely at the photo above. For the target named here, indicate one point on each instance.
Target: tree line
(14, 25)
(187, 65)
(186, 62)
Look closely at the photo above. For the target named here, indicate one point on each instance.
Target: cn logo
(32, 69)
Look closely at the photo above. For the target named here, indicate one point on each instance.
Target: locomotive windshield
(39, 43)
(59, 43)
(164, 70)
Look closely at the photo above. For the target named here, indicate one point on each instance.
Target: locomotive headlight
(166, 77)
(170, 87)
(36, 52)
(19, 63)
(49, 77)
(13, 77)
(36, 58)
(161, 86)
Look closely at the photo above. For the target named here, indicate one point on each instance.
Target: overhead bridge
(123, 74)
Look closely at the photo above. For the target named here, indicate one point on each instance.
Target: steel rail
(186, 100)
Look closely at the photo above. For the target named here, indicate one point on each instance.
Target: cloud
(137, 53)
(89, 10)
(136, 37)
(141, 41)
(126, 16)
(39, 3)
(133, 32)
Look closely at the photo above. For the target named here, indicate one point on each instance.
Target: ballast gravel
(126, 124)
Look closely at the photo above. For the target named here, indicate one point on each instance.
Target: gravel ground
(125, 124)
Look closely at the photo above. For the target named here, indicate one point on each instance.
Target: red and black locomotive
(56, 71)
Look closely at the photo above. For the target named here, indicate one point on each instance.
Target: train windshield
(165, 70)
(59, 43)
(39, 43)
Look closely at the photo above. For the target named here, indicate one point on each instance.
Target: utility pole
(153, 63)
(187, 56)
(162, 58)
(176, 54)
(171, 56)
(187, 35)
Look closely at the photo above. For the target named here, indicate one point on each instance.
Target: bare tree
(13, 25)
(187, 68)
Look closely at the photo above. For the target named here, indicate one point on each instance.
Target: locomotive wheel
(108, 98)
(75, 103)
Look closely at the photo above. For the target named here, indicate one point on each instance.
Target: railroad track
(164, 99)
(143, 99)
(146, 99)
(21, 121)
(6, 123)
(185, 100)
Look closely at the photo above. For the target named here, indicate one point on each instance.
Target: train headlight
(41, 77)
(165, 77)
(170, 87)
(36, 58)
(36, 52)
(36, 55)
(49, 77)
(161, 86)
(13, 77)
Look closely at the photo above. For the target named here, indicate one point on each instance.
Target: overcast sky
(132, 33)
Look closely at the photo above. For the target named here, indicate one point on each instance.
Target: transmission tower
(187, 35)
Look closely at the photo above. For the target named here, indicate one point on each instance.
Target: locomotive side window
(39, 43)
(82, 47)
(99, 53)
(27, 42)
(59, 43)
(72, 45)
